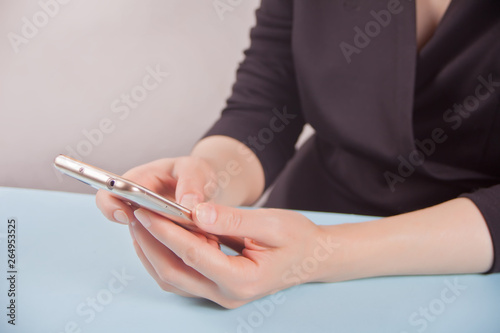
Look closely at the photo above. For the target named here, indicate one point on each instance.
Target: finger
(191, 181)
(258, 224)
(170, 268)
(204, 238)
(155, 176)
(203, 257)
(113, 208)
(150, 269)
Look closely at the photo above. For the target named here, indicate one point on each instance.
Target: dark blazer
(396, 129)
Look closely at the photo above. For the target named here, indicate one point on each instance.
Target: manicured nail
(120, 216)
(190, 200)
(205, 213)
(143, 217)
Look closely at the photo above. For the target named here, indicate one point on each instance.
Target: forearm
(239, 177)
(449, 238)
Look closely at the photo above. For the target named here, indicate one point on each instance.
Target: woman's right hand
(214, 172)
(219, 169)
(190, 180)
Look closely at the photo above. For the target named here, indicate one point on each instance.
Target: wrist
(356, 252)
(335, 242)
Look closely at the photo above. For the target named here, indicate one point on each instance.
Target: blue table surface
(77, 272)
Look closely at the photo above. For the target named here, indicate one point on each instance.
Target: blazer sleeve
(488, 202)
(263, 111)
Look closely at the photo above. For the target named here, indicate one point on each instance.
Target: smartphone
(137, 196)
(124, 189)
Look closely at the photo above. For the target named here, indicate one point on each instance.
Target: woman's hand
(190, 180)
(282, 248)
(219, 168)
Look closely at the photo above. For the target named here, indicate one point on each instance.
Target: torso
(370, 109)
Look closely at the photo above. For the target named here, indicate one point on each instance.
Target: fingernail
(190, 200)
(205, 213)
(120, 216)
(143, 217)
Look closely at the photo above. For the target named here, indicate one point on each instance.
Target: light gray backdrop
(67, 67)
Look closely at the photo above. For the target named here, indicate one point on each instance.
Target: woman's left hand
(282, 249)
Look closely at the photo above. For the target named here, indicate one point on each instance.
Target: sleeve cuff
(488, 202)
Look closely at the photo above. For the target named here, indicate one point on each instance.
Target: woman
(404, 97)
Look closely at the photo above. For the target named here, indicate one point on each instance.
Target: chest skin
(428, 15)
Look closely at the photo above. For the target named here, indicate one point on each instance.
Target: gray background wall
(65, 77)
(65, 69)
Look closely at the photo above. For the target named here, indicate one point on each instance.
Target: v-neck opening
(436, 31)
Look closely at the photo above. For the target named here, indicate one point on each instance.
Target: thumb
(257, 224)
(190, 187)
